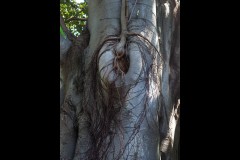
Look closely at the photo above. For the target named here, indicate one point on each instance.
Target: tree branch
(75, 19)
(70, 36)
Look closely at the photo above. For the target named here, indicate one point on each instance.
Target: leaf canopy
(71, 11)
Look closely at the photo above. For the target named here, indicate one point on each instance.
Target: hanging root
(121, 63)
(111, 60)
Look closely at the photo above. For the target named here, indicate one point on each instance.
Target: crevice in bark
(73, 80)
(169, 11)
(73, 59)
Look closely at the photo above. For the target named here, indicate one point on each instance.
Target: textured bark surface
(119, 92)
(169, 31)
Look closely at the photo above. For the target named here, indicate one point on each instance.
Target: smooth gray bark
(104, 21)
(151, 96)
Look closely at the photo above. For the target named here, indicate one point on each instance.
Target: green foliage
(70, 9)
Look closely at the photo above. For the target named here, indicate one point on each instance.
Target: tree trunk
(119, 93)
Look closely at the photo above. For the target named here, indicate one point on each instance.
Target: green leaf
(62, 33)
